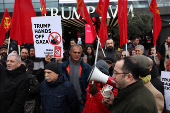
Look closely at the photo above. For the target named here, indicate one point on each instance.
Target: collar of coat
(129, 89)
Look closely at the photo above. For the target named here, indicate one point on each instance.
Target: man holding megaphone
(94, 96)
(133, 96)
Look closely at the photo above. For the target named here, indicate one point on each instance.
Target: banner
(47, 35)
(21, 27)
(165, 78)
(157, 23)
(88, 34)
(122, 21)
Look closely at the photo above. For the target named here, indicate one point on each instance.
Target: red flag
(103, 27)
(43, 8)
(122, 20)
(99, 7)
(21, 29)
(6, 21)
(157, 23)
(5, 26)
(2, 36)
(82, 10)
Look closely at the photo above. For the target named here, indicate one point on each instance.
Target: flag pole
(98, 43)
(103, 52)
(126, 49)
(8, 46)
(19, 49)
(154, 52)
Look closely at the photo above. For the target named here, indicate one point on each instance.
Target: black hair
(108, 60)
(131, 66)
(32, 47)
(125, 50)
(73, 40)
(144, 72)
(24, 48)
(6, 38)
(134, 38)
(92, 51)
(110, 39)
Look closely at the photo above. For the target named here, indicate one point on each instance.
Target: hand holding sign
(48, 58)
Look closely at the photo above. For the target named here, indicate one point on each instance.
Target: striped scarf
(146, 79)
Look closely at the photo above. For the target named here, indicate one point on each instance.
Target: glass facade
(9, 4)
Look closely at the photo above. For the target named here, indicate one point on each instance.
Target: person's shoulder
(64, 64)
(85, 65)
(155, 92)
(43, 84)
(143, 94)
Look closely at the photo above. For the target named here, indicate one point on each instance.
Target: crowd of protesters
(61, 85)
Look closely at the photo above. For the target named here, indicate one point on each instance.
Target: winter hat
(3, 46)
(103, 66)
(108, 60)
(144, 62)
(53, 66)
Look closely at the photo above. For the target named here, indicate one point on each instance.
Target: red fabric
(103, 27)
(122, 20)
(43, 8)
(5, 26)
(2, 37)
(82, 10)
(94, 104)
(157, 23)
(168, 65)
(6, 21)
(21, 29)
(99, 7)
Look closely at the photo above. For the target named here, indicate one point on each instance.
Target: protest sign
(165, 78)
(47, 35)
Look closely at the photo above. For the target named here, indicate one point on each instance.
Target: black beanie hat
(53, 66)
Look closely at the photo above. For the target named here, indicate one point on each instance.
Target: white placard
(47, 35)
(165, 78)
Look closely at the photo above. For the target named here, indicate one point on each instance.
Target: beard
(3, 54)
(168, 43)
(110, 48)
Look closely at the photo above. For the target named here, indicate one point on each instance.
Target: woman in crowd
(90, 55)
(158, 57)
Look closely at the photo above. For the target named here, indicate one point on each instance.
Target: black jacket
(59, 96)
(13, 90)
(161, 50)
(136, 98)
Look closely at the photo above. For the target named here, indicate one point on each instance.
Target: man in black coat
(164, 50)
(14, 85)
(57, 93)
(24, 57)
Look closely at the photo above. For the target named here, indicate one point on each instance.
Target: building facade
(70, 17)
